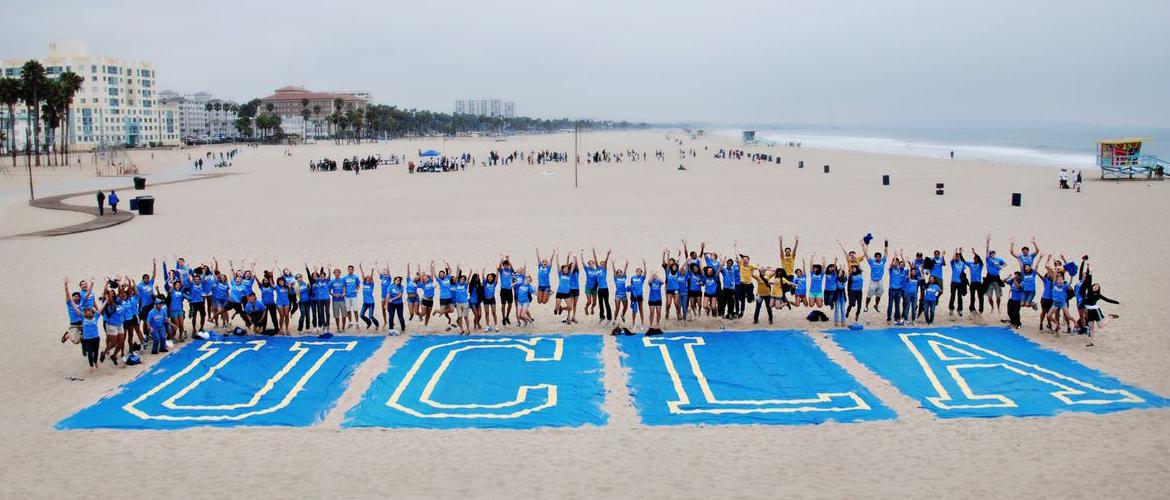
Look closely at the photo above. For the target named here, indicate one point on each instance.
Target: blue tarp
(517, 382)
(757, 377)
(286, 381)
(987, 372)
(429, 152)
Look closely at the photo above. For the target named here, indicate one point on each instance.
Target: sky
(928, 63)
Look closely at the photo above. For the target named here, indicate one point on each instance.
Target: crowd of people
(691, 283)
(355, 164)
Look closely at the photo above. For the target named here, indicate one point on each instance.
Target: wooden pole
(576, 157)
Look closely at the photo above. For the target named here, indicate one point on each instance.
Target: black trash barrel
(140, 183)
(886, 180)
(1017, 199)
(826, 169)
(146, 205)
(800, 164)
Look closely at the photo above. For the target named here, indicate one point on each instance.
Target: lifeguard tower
(1123, 159)
(749, 138)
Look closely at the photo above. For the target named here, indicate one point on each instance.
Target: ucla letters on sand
(522, 382)
(758, 377)
(987, 372)
(517, 382)
(244, 381)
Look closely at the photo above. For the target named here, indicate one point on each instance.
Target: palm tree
(32, 80)
(317, 122)
(10, 93)
(51, 110)
(338, 103)
(70, 84)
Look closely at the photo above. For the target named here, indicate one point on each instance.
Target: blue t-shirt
(1047, 293)
(460, 293)
(563, 282)
(655, 294)
(710, 285)
(368, 292)
(282, 296)
(932, 293)
(394, 290)
(994, 265)
(976, 271)
(337, 289)
(385, 280)
(877, 269)
(636, 282)
(321, 289)
(831, 282)
(619, 286)
(268, 295)
(303, 290)
(74, 316)
(444, 288)
(957, 268)
(937, 270)
(574, 280)
(590, 277)
(505, 277)
(897, 278)
(603, 278)
(1027, 260)
(221, 291)
(89, 327)
(146, 292)
(730, 276)
(1029, 281)
(157, 319)
(910, 287)
(428, 290)
(801, 283)
(672, 281)
(856, 282)
(253, 307)
(542, 276)
(523, 293)
(352, 283)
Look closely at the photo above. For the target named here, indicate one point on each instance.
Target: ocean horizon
(1069, 147)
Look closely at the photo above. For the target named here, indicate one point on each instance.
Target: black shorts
(654, 303)
(428, 303)
(575, 292)
(444, 302)
(709, 295)
(130, 323)
(563, 295)
(636, 300)
(489, 302)
(1045, 304)
(505, 295)
(672, 292)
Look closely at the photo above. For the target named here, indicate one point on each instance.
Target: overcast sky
(831, 62)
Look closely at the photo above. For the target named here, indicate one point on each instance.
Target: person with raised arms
(590, 284)
(384, 280)
(489, 289)
(366, 314)
(444, 280)
(1027, 256)
(460, 297)
(145, 291)
(930, 299)
(524, 291)
(763, 279)
(816, 283)
(427, 302)
(975, 267)
(604, 311)
(654, 300)
(621, 303)
(543, 278)
(353, 283)
(505, 271)
(636, 289)
(337, 299)
(898, 273)
(958, 282)
(411, 289)
(193, 291)
(877, 272)
(394, 297)
(910, 297)
(90, 319)
(674, 278)
(305, 298)
(992, 283)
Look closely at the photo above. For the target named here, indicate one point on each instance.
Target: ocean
(1071, 147)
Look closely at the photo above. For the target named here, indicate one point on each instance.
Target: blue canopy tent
(429, 153)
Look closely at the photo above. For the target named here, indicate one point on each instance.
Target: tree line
(50, 100)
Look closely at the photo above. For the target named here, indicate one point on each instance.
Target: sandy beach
(274, 211)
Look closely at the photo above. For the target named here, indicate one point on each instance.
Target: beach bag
(200, 335)
(817, 316)
(856, 326)
(239, 332)
(325, 335)
(654, 331)
(133, 359)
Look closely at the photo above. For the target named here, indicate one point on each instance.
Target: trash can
(140, 183)
(134, 203)
(145, 205)
(800, 164)
(1017, 199)
(826, 169)
(886, 179)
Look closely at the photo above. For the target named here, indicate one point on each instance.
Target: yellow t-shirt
(745, 272)
(788, 262)
(777, 287)
(762, 288)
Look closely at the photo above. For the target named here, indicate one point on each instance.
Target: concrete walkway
(99, 222)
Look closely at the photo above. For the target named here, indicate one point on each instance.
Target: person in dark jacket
(101, 198)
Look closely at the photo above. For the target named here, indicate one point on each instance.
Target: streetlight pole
(576, 157)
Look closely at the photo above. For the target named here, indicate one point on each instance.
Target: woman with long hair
(604, 311)
(621, 303)
(543, 278)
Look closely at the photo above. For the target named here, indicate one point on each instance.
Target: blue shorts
(1028, 297)
(412, 299)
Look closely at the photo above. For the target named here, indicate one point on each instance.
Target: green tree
(10, 94)
(69, 83)
(32, 80)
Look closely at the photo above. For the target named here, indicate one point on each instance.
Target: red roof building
(290, 100)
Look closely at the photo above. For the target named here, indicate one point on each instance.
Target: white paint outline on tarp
(828, 401)
(970, 360)
(528, 346)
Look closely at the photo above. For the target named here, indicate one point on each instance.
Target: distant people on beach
(101, 202)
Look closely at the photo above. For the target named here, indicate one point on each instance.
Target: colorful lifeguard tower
(749, 138)
(1123, 159)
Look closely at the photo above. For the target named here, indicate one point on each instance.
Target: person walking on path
(101, 199)
(113, 199)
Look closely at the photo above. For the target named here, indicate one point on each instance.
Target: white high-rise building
(485, 107)
(116, 106)
(202, 117)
